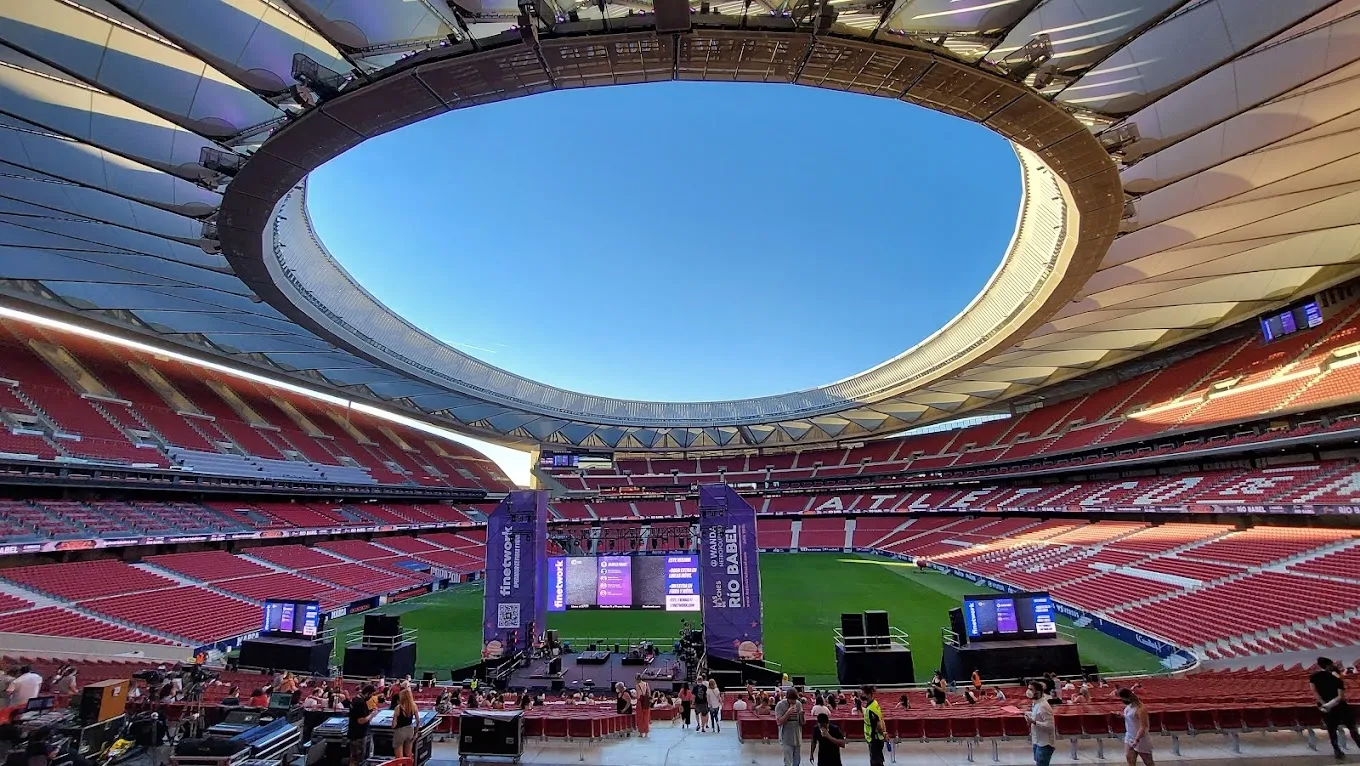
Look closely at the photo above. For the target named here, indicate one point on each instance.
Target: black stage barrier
(300, 655)
(368, 661)
(1012, 659)
(890, 664)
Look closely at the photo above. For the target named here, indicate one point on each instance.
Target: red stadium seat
(936, 728)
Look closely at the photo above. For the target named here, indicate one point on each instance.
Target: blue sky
(675, 241)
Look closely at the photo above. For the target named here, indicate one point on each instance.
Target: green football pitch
(803, 595)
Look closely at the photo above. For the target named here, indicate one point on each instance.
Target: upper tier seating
(85, 579)
(57, 519)
(1238, 380)
(208, 565)
(85, 399)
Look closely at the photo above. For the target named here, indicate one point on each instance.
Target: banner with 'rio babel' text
(729, 575)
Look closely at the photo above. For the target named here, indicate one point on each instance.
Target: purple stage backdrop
(729, 575)
(516, 536)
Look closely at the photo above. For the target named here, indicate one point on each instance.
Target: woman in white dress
(1137, 737)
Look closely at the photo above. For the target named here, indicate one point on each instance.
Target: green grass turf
(803, 594)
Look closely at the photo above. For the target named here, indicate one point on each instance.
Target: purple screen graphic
(615, 582)
(1006, 621)
(286, 620)
(557, 584)
(682, 584)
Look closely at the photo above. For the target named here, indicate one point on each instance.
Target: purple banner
(515, 607)
(729, 574)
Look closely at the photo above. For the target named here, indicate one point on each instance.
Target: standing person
(644, 707)
(404, 721)
(714, 704)
(66, 684)
(360, 711)
(788, 716)
(25, 687)
(700, 692)
(977, 683)
(939, 691)
(686, 704)
(1330, 692)
(1137, 738)
(623, 703)
(1043, 729)
(875, 733)
(829, 738)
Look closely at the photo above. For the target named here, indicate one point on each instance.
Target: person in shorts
(700, 692)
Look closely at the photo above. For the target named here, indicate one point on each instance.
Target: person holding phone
(788, 716)
(828, 739)
(1043, 728)
(1137, 730)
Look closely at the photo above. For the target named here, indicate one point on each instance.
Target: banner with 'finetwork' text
(515, 609)
(729, 575)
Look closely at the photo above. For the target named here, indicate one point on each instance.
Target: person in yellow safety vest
(875, 733)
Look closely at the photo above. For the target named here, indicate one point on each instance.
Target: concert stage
(1023, 658)
(662, 672)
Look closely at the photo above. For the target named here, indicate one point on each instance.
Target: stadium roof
(153, 159)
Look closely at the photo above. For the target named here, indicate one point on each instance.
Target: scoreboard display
(1297, 318)
(585, 461)
(1010, 616)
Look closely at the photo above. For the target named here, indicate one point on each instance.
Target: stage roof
(1187, 165)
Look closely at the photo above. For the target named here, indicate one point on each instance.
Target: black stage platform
(891, 664)
(301, 655)
(613, 669)
(390, 661)
(1012, 659)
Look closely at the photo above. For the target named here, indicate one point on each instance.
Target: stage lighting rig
(220, 162)
(1117, 139)
(1028, 58)
(826, 17)
(323, 82)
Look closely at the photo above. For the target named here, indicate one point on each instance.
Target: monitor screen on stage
(284, 617)
(649, 581)
(1009, 615)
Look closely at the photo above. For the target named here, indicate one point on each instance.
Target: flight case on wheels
(491, 733)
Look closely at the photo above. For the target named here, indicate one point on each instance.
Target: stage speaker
(385, 625)
(102, 700)
(671, 16)
(876, 627)
(957, 625)
(852, 629)
(555, 666)
(553, 639)
(798, 681)
(1089, 671)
